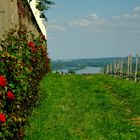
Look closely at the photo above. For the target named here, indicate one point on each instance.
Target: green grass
(86, 107)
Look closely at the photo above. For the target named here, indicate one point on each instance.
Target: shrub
(23, 62)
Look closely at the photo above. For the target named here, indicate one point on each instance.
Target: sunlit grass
(86, 107)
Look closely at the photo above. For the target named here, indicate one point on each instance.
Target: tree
(43, 5)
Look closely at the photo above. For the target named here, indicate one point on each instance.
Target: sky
(93, 28)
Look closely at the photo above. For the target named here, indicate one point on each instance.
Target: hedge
(23, 62)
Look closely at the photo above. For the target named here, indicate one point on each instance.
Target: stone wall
(17, 13)
(8, 15)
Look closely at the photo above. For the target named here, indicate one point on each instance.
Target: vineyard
(128, 68)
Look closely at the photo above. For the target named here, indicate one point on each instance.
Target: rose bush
(23, 62)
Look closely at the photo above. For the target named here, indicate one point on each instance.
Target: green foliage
(43, 5)
(80, 107)
(23, 62)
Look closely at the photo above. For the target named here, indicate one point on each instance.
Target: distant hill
(82, 63)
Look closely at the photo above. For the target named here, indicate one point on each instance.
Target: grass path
(75, 107)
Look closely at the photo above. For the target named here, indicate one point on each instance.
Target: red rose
(31, 44)
(2, 81)
(2, 118)
(10, 96)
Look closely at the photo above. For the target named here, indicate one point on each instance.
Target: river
(86, 70)
(89, 70)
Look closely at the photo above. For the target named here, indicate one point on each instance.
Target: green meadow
(86, 107)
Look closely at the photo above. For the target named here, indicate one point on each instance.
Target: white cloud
(90, 21)
(93, 23)
(93, 16)
(80, 23)
(55, 26)
(131, 16)
(136, 9)
(127, 22)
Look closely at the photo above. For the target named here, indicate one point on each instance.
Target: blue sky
(93, 28)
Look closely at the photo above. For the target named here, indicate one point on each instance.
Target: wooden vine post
(110, 68)
(121, 68)
(118, 68)
(131, 71)
(136, 68)
(129, 66)
(107, 69)
(115, 65)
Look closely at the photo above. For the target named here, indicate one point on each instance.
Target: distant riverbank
(85, 70)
